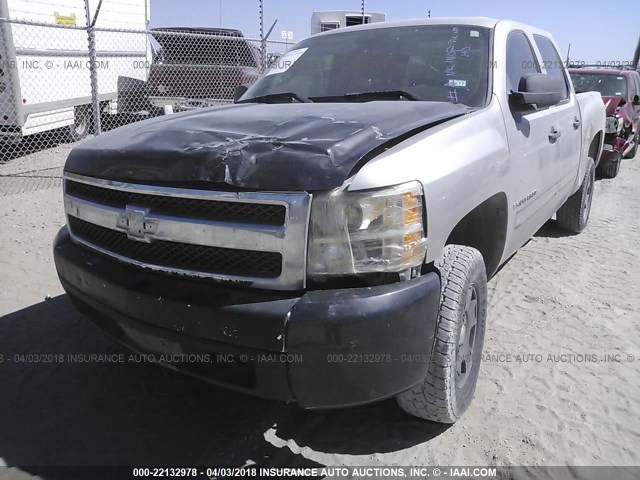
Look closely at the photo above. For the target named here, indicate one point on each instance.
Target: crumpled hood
(610, 105)
(302, 146)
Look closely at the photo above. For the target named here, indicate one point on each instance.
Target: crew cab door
(567, 121)
(532, 149)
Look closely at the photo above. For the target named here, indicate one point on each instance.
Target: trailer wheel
(81, 124)
(450, 383)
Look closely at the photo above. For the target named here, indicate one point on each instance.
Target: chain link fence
(61, 82)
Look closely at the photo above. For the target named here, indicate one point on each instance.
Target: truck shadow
(552, 230)
(80, 411)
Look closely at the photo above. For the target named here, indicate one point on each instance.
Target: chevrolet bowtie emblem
(134, 221)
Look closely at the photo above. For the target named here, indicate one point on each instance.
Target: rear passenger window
(551, 62)
(520, 60)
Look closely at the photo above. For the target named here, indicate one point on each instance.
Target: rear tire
(573, 215)
(448, 388)
(633, 152)
(611, 169)
(81, 123)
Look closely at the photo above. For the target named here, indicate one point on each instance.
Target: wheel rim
(465, 353)
(586, 201)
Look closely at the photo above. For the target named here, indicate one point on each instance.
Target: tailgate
(198, 81)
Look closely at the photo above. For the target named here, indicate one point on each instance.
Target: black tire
(573, 215)
(451, 379)
(634, 150)
(81, 125)
(610, 169)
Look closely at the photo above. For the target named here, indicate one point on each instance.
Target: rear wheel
(81, 123)
(573, 215)
(450, 383)
(634, 150)
(611, 169)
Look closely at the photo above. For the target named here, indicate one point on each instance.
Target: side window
(520, 60)
(551, 62)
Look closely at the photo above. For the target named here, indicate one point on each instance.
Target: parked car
(327, 240)
(620, 90)
(200, 67)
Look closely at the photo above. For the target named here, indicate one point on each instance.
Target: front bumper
(323, 348)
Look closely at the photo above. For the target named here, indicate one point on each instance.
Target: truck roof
(603, 71)
(228, 32)
(477, 21)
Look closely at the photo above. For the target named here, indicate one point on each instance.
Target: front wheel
(448, 388)
(573, 215)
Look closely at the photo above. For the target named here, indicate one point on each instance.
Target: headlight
(363, 232)
(613, 125)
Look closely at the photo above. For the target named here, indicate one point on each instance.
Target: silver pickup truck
(327, 239)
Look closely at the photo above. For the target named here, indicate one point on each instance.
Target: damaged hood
(301, 146)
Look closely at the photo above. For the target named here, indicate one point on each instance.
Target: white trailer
(330, 20)
(45, 65)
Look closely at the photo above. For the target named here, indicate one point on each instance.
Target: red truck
(200, 67)
(620, 90)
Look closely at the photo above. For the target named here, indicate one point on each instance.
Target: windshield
(446, 63)
(609, 85)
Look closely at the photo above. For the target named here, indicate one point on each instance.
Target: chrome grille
(180, 255)
(259, 213)
(253, 238)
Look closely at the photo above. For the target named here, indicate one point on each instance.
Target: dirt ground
(559, 384)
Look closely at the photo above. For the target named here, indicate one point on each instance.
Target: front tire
(573, 215)
(448, 388)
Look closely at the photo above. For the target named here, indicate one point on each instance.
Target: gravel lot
(560, 299)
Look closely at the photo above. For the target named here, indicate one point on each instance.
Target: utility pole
(568, 50)
(429, 14)
(363, 12)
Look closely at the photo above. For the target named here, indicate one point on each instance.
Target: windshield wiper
(365, 96)
(276, 96)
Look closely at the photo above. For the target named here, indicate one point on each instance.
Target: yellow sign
(65, 19)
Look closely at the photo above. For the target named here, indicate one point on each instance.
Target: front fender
(460, 164)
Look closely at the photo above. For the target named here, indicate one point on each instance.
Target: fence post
(91, 35)
(263, 40)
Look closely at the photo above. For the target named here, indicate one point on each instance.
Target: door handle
(554, 134)
(576, 123)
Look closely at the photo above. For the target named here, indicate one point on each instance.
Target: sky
(589, 26)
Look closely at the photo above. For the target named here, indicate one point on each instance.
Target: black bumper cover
(323, 348)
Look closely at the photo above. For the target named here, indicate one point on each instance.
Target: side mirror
(239, 91)
(636, 99)
(539, 90)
